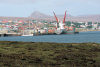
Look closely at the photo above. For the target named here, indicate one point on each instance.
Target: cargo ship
(60, 28)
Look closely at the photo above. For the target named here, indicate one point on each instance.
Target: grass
(30, 54)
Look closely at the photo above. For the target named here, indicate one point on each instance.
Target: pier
(9, 34)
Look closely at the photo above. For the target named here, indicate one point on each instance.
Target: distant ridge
(83, 18)
(37, 14)
(40, 16)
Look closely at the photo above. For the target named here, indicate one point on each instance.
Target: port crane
(60, 27)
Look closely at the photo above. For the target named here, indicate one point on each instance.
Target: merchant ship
(62, 28)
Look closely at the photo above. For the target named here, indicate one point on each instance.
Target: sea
(82, 37)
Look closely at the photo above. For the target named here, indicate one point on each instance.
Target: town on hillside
(43, 24)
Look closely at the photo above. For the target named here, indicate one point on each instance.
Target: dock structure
(9, 34)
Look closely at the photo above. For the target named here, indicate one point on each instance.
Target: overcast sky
(23, 8)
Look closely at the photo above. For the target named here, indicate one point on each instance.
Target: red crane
(64, 17)
(55, 17)
(58, 21)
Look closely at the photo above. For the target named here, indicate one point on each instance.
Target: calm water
(69, 38)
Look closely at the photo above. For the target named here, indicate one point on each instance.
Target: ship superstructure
(62, 28)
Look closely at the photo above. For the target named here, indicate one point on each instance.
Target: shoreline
(87, 30)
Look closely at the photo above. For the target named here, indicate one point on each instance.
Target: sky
(23, 8)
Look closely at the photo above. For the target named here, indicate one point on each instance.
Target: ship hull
(57, 32)
(69, 32)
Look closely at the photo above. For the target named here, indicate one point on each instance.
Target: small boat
(28, 35)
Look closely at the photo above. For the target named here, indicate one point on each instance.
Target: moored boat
(28, 35)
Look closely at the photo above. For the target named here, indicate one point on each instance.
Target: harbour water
(82, 37)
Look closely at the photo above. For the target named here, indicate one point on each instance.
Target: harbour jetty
(29, 54)
(9, 34)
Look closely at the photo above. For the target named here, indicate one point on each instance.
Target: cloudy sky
(23, 8)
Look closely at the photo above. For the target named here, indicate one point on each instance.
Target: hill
(85, 18)
(37, 14)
